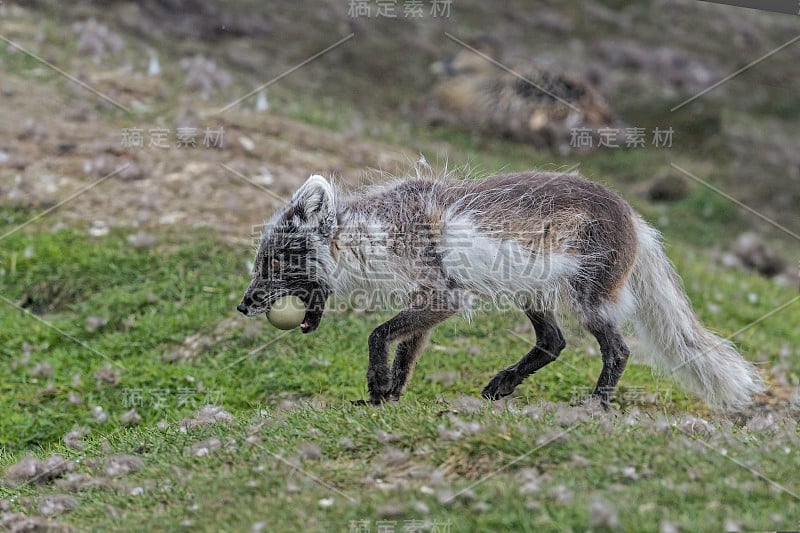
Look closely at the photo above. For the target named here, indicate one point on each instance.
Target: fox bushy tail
(700, 361)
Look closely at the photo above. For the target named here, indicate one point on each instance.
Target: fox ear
(314, 203)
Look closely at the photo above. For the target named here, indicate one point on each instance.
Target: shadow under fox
(546, 242)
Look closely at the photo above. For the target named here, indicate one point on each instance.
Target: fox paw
(379, 400)
(592, 401)
(361, 402)
(501, 385)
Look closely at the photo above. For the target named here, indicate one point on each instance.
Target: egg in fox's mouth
(311, 317)
(313, 307)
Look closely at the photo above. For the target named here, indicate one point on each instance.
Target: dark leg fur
(409, 326)
(549, 343)
(405, 358)
(615, 356)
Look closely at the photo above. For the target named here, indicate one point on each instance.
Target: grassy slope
(195, 280)
(71, 280)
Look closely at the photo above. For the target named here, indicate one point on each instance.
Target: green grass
(153, 299)
(289, 393)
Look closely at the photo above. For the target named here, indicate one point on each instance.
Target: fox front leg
(409, 323)
(405, 357)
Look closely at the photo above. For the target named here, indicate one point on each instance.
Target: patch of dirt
(54, 504)
(777, 398)
(32, 470)
(53, 159)
(122, 465)
(198, 343)
(208, 415)
(468, 466)
(20, 522)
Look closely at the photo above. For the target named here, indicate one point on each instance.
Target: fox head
(294, 256)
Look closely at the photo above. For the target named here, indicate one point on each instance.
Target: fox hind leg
(549, 344)
(615, 355)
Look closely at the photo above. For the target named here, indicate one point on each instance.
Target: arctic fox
(545, 242)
